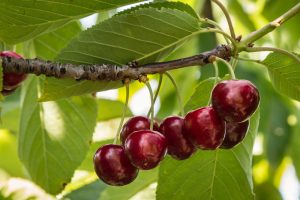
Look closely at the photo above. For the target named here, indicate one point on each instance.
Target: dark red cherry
(204, 128)
(113, 166)
(235, 133)
(135, 124)
(146, 148)
(235, 100)
(179, 147)
(12, 80)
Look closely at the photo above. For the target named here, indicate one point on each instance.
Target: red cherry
(179, 147)
(113, 166)
(12, 80)
(204, 128)
(135, 124)
(146, 148)
(235, 100)
(235, 133)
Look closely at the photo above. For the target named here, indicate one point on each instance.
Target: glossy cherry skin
(235, 100)
(135, 124)
(12, 80)
(146, 148)
(113, 166)
(179, 147)
(235, 133)
(204, 128)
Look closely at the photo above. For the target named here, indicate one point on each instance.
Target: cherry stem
(152, 103)
(123, 115)
(248, 59)
(216, 80)
(157, 91)
(229, 67)
(282, 51)
(178, 93)
(224, 10)
(216, 25)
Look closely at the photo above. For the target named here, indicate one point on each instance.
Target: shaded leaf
(21, 20)
(87, 192)
(49, 45)
(110, 109)
(284, 73)
(201, 95)
(144, 179)
(54, 137)
(145, 35)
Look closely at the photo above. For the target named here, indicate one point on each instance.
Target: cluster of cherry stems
(144, 143)
(224, 124)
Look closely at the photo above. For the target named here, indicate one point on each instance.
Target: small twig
(177, 92)
(227, 17)
(282, 51)
(157, 91)
(229, 67)
(216, 68)
(152, 104)
(107, 72)
(126, 83)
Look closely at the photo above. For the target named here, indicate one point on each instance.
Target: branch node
(239, 38)
(143, 78)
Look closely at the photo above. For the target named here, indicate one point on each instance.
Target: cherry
(113, 166)
(179, 147)
(204, 128)
(135, 124)
(146, 148)
(235, 133)
(235, 100)
(12, 80)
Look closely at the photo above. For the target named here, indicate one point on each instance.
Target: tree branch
(107, 72)
(252, 37)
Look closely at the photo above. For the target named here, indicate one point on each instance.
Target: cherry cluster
(222, 125)
(11, 81)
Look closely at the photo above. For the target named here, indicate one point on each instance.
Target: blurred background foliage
(276, 165)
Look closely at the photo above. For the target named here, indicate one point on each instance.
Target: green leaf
(49, 45)
(201, 94)
(105, 111)
(284, 73)
(219, 174)
(21, 20)
(87, 192)
(101, 191)
(145, 35)
(54, 137)
(8, 153)
(144, 179)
